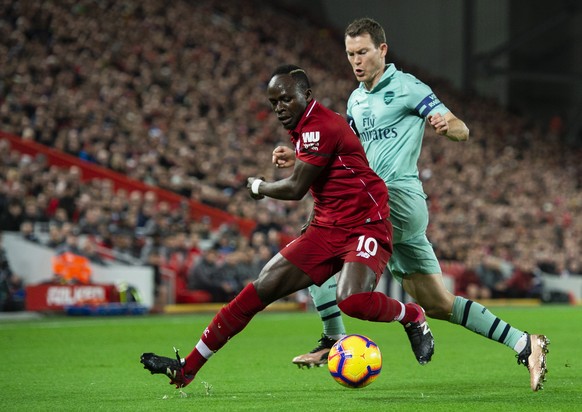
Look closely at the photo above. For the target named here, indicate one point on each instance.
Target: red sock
(229, 320)
(412, 314)
(373, 306)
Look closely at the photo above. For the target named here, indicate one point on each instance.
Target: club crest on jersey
(388, 97)
(310, 140)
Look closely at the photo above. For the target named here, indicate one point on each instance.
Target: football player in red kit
(349, 232)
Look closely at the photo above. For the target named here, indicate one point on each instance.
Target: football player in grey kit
(389, 110)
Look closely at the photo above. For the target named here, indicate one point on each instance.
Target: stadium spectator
(12, 217)
(124, 246)
(91, 219)
(265, 221)
(499, 277)
(205, 275)
(236, 273)
(71, 244)
(34, 208)
(27, 231)
(55, 237)
(11, 285)
(154, 259)
(525, 281)
(262, 255)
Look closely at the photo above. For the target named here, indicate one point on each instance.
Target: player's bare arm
(293, 187)
(283, 157)
(450, 126)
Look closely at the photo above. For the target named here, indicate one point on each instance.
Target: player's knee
(355, 305)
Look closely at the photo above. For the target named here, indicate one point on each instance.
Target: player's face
(287, 100)
(366, 59)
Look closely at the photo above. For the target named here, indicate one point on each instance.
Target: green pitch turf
(92, 364)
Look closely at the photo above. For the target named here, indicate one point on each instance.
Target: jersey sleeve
(349, 116)
(421, 99)
(349, 105)
(352, 123)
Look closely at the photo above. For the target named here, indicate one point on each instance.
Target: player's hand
(439, 124)
(283, 157)
(250, 181)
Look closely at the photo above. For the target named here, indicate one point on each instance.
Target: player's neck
(375, 80)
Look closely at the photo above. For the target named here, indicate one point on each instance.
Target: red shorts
(321, 252)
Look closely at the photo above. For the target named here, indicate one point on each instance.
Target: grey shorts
(413, 253)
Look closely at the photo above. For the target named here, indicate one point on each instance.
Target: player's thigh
(355, 277)
(280, 278)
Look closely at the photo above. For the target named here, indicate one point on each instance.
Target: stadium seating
(179, 111)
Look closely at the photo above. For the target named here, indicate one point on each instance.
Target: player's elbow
(296, 194)
(295, 189)
(462, 138)
(465, 134)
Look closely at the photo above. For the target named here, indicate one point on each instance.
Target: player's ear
(384, 49)
(308, 95)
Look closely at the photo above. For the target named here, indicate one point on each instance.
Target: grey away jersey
(390, 120)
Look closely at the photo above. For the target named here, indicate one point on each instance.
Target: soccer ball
(354, 361)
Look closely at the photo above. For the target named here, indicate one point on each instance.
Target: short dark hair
(296, 72)
(367, 25)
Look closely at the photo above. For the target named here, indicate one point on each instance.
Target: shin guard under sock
(479, 319)
(373, 306)
(230, 320)
(324, 300)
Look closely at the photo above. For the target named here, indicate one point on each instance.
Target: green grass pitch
(92, 364)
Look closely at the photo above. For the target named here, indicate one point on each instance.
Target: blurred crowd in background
(173, 94)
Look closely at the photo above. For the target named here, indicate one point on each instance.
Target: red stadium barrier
(93, 171)
(55, 297)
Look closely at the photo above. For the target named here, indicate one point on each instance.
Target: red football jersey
(347, 192)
